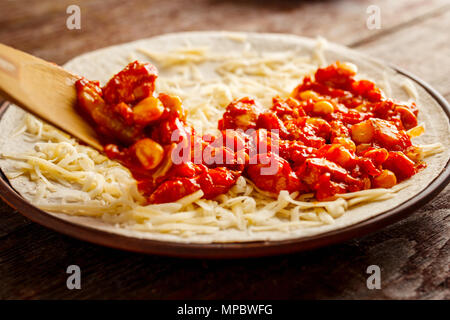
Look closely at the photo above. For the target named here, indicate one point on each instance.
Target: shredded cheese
(410, 89)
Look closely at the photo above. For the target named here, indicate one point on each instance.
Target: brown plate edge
(232, 250)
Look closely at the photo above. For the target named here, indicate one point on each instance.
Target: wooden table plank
(10, 220)
(39, 27)
(422, 49)
(414, 254)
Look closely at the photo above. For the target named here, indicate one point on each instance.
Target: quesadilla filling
(334, 135)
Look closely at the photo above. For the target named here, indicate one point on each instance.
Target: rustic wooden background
(414, 255)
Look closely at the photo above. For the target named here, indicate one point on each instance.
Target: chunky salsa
(334, 134)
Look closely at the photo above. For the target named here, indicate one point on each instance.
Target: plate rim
(233, 249)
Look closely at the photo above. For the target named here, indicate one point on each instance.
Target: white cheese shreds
(319, 54)
(71, 178)
(261, 75)
(236, 36)
(410, 89)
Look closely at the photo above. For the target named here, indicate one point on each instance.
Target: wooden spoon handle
(45, 90)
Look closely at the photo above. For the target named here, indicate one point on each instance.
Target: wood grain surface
(414, 254)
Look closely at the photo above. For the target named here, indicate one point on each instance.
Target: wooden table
(414, 254)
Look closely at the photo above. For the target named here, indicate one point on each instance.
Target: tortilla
(102, 64)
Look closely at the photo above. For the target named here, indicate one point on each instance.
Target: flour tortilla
(102, 64)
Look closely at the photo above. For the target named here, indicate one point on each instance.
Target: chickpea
(322, 127)
(361, 108)
(348, 67)
(345, 142)
(386, 179)
(340, 155)
(378, 156)
(147, 110)
(292, 102)
(361, 148)
(318, 122)
(173, 103)
(308, 94)
(323, 106)
(149, 153)
(362, 132)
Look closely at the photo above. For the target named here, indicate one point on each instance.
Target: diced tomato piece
(240, 114)
(224, 157)
(313, 168)
(184, 170)
(270, 121)
(288, 107)
(171, 130)
(377, 155)
(217, 181)
(382, 109)
(341, 155)
(263, 141)
(135, 82)
(233, 139)
(326, 189)
(272, 173)
(338, 129)
(353, 117)
(388, 136)
(334, 76)
(409, 120)
(400, 164)
(124, 111)
(173, 190)
(299, 130)
(295, 152)
(367, 166)
(367, 89)
(89, 95)
(320, 127)
(108, 123)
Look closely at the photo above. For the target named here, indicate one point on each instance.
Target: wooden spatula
(44, 89)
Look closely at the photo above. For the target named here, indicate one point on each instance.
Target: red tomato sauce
(334, 134)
